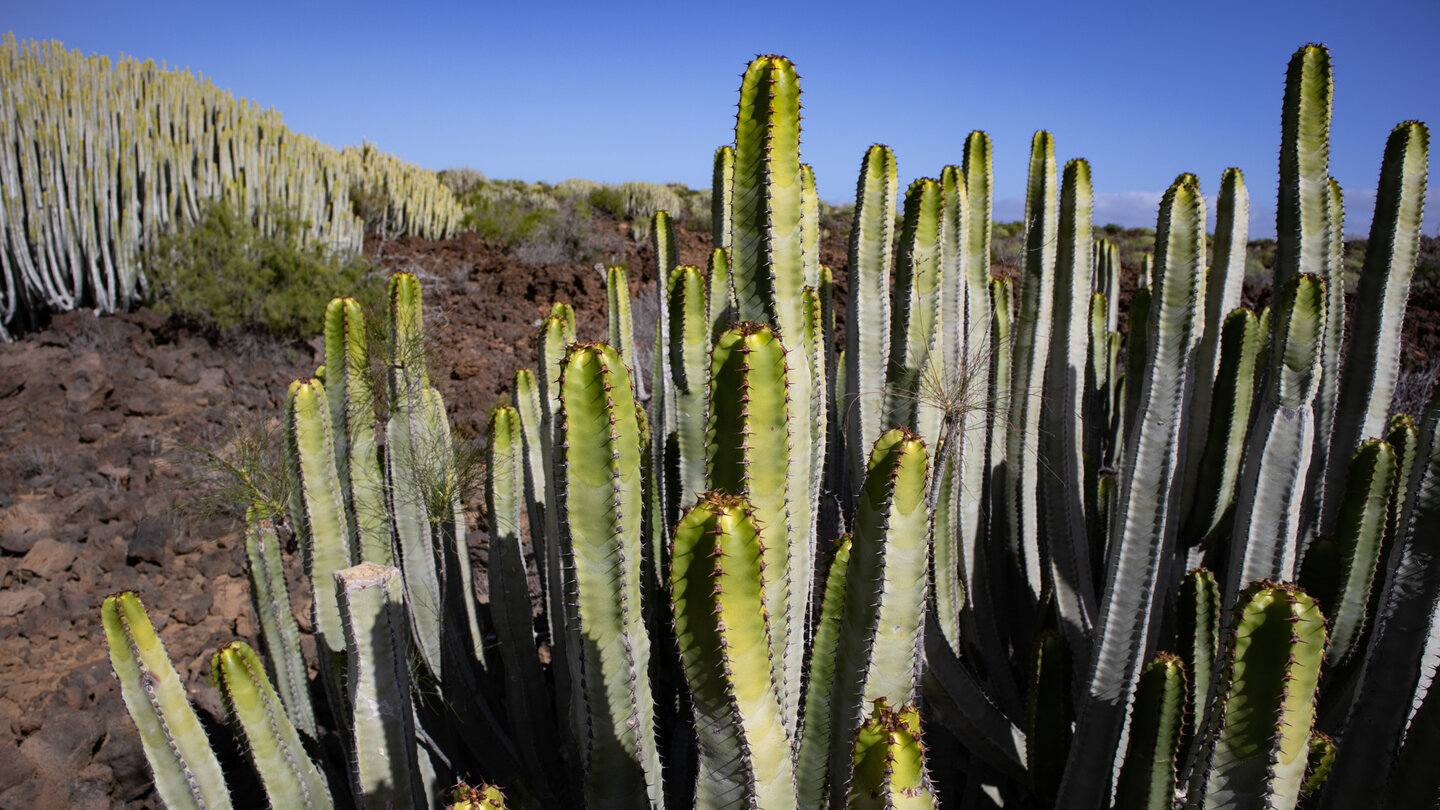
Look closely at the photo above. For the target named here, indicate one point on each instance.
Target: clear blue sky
(646, 91)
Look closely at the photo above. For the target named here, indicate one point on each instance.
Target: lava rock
(193, 610)
(14, 601)
(47, 558)
(149, 542)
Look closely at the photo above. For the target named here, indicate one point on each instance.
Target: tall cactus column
(1147, 518)
(598, 461)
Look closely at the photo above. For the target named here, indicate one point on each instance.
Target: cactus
(525, 700)
(812, 749)
(185, 769)
(1144, 512)
(1048, 710)
(281, 634)
(1372, 354)
(885, 593)
(291, 779)
(1061, 488)
(1147, 779)
(598, 466)
(377, 641)
(1032, 338)
(890, 762)
(352, 419)
(724, 630)
(1338, 571)
(101, 157)
(485, 797)
(1257, 753)
(1281, 439)
(697, 657)
(1197, 619)
(867, 348)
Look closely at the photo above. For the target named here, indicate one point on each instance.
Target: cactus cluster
(1069, 562)
(100, 158)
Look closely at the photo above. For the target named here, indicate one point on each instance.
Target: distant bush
(223, 273)
(461, 179)
(507, 211)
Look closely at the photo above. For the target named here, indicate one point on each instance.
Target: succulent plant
(749, 581)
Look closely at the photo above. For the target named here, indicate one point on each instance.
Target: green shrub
(507, 211)
(223, 272)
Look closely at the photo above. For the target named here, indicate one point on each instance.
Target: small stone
(119, 752)
(20, 540)
(187, 543)
(148, 544)
(14, 770)
(188, 373)
(48, 558)
(141, 401)
(69, 485)
(193, 610)
(14, 601)
(92, 432)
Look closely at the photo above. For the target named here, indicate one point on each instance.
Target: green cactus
(1268, 503)
(1048, 709)
(1231, 402)
(317, 512)
(1147, 779)
(1302, 223)
(1144, 512)
(377, 641)
(465, 797)
(890, 762)
(867, 347)
(722, 197)
(766, 251)
(1322, 759)
(280, 633)
(1064, 495)
(598, 469)
(1223, 286)
(1256, 752)
(812, 762)
(1396, 676)
(290, 778)
(1197, 631)
(914, 322)
(1061, 489)
(1021, 515)
(750, 453)
(526, 701)
(1372, 359)
(185, 769)
(687, 357)
(352, 417)
(1338, 571)
(885, 593)
(724, 630)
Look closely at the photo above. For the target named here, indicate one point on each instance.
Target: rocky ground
(95, 414)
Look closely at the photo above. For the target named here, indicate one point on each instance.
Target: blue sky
(646, 91)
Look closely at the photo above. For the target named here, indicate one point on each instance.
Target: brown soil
(93, 414)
